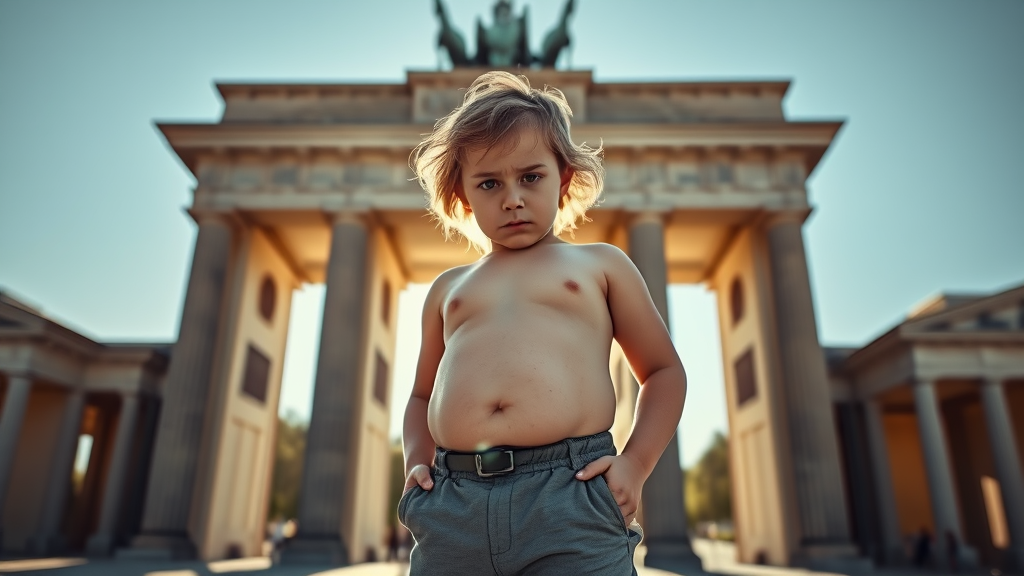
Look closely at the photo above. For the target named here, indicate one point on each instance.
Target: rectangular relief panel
(746, 378)
(257, 374)
(380, 380)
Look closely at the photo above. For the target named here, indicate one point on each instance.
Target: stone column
(885, 497)
(808, 404)
(861, 502)
(328, 478)
(102, 542)
(668, 545)
(15, 402)
(186, 391)
(1007, 463)
(945, 513)
(48, 538)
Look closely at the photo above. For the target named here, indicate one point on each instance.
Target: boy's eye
(531, 178)
(487, 184)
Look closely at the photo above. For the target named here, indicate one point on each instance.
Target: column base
(966, 559)
(51, 545)
(159, 547)
(100, 545)
(840, 558)
(673, 555)
(893, 557)
(322, 551)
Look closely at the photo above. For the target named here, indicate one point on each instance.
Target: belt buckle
(479, 465)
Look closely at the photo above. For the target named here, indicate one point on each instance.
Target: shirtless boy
(510, 468)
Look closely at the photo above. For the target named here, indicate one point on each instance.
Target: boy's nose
(513, 200)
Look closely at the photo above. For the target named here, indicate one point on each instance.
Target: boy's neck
(549, 238)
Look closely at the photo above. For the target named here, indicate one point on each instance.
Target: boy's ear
(461, 195)
(566, 176)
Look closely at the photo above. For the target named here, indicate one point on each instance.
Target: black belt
(485, 464)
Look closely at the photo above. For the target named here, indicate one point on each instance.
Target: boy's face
(514, 194)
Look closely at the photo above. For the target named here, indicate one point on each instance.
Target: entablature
(391, 198)
(757, 156)
(427, 96)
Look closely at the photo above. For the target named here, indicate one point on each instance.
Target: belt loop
(439, 459)
(573, 447)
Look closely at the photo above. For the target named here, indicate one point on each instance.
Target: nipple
(572, 286)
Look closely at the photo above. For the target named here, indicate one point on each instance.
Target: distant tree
(708, 492)
(289, 451)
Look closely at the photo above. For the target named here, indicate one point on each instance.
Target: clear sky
(920, 193)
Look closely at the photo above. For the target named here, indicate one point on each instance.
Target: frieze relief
(708, 175)
(304, 176)
(429, 104)
(685, 179)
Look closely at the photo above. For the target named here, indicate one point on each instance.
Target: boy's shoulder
(602, 249)
(605, 256)
(442, 284)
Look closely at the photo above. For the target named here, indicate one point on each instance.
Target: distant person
(510, 465)
(277, 538)
(922, 547)
(392, 543)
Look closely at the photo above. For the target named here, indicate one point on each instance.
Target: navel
(572, 286)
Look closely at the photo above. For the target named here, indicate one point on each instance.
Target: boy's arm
(641, 332)
(417, 442)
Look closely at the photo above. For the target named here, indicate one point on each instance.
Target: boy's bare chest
(513, 290)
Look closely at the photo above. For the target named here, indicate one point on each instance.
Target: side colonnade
(41, 427)
(944, 478)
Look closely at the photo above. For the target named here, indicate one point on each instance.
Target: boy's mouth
(515, 223)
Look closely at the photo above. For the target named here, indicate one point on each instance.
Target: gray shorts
(535, 519)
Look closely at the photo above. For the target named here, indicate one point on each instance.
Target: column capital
(647, 216)
(360, 216)
(773, 219)
(202, 217)
(996, 381)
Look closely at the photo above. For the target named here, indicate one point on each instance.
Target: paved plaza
(718, 558)
(261, 566)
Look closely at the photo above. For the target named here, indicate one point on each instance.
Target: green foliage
(289, 451)
(708, 492)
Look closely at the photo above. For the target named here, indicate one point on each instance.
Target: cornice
(899, 337)
(753, 87)
(463, 77)
(887, 342)
(1009, 297)
(972, 337)
(367, 135)
(231, 90)
(189, 139)
(153, 356)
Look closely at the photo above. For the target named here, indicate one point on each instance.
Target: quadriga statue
(504, 44)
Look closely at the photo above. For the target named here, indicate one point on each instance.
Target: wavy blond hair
(497, 107)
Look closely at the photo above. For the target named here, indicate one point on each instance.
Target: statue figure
(505, 43)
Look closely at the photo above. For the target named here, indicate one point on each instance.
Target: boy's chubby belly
(526, 382)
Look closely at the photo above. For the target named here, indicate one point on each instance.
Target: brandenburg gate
(309, 183)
